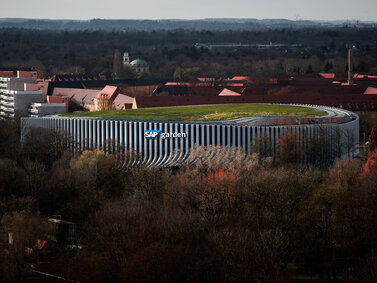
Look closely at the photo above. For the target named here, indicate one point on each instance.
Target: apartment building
(15, 103)
(15, 99)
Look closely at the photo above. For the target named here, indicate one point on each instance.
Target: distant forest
(212, 24)
(172, 54)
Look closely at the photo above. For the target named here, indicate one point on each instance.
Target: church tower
(126, 58)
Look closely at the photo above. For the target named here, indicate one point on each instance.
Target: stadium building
(168, 143)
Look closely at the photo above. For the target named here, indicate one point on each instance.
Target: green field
(205, 112)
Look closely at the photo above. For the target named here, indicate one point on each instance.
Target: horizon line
(192, 19)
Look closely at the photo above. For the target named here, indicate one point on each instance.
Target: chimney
(350, 74)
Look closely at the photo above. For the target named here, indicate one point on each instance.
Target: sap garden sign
(152, 134)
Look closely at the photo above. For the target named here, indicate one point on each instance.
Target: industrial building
(168, 143)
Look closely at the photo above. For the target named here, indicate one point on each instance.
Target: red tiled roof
(206, 79)
(306, 89)
(44, 87)
(78, 95)
(370, 90)
(138, 90)
(360, 76)
(327, 75)
(347, 102)
(108, 92)
(31, 86)
(73, 77)
(7, 74)
(239, 78)
(357, 76)
(228, 92)
(175, 83)
(184, 90)
(123, 101)
(27, 74)
(203, 84)
(347, 83)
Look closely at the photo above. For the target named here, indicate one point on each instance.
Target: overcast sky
(365, 10)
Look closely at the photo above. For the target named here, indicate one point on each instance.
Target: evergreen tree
(328, 67)
(310, 69)
(117, 64)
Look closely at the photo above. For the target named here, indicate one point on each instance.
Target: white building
(15, 103)
(14, 98)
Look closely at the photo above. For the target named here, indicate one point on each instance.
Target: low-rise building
(92, 99)
(80, 97)
(43, 109)
(15, 103)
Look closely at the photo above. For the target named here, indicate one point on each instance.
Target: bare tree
(263, 146)
(290, 150)
(104, 103)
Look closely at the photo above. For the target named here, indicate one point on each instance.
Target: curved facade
(166, 143)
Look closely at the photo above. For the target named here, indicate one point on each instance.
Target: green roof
(139, 63)
(206, 112)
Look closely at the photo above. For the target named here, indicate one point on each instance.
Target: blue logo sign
(151, 134)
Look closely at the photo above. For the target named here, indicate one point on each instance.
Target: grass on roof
(205, 112)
